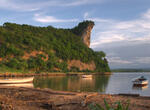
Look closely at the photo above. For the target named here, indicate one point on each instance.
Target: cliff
(48, 49)
(84, 30)
(86, 35)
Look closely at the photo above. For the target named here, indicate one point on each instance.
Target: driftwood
(133, 95)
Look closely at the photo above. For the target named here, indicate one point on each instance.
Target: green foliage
(78, 30)
(7, 49)
(101, 62)
(100, 54)
(66, 44)
(16, 63)
(118, 106)
(74, 69)
(37, 63)
(1, 108)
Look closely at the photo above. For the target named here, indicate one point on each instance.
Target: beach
(23, 98)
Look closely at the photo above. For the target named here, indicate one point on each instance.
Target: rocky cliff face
(86, 35)
(81, 66)
(84, 30)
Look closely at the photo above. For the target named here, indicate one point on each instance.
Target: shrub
(108, 107)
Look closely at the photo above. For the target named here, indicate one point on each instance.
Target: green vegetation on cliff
(25, 47)
(78, 30)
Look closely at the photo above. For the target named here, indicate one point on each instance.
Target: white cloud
(86, 14)
(15, 5)
(108, 38)
(110, 32)
(82, 2)
(146, 15)
(129, 41)
(51, 19)
(143, 60)
(118, 60)
(23, 5)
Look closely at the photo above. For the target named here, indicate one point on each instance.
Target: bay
(107, 84)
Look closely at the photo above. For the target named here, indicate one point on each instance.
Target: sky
(122, 27)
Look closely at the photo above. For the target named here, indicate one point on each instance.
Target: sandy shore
(21, 98)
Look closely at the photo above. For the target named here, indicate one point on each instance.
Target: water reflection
(56, 82)
(140, 87)
(73, 83)
(113, 84)
(122, 83)
(102, 83)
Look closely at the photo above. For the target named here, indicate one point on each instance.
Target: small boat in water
(141, 81)
(139, 87)
(16, 80)
(86, 76)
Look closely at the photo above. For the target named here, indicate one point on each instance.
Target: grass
(118, 106)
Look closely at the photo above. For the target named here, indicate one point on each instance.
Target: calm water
(110, 84)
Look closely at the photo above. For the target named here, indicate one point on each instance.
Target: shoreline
(20, 98)
(50, 74)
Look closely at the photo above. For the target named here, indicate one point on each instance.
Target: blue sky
(122, 27)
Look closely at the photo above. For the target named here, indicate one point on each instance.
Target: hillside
(48, 49)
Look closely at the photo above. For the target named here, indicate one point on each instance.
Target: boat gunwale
(16, 81)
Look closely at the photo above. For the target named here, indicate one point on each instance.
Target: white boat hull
(16, 80)
(142, 83)
(86, 76)
(139, 87)
(30, 85)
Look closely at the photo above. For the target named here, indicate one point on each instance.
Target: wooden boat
(86, 76)
(16, 80)
(141, 81)
(30, 85)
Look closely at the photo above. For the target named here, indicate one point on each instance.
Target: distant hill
(47, 49)
(131, 70)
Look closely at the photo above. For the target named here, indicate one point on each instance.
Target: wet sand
(23, 98)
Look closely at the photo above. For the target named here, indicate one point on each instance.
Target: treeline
(56, 44)
(130, 70)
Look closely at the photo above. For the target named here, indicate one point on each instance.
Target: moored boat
(141, 81)
(18, 85)
(139, 87)
(16, 80)
(86, 76)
